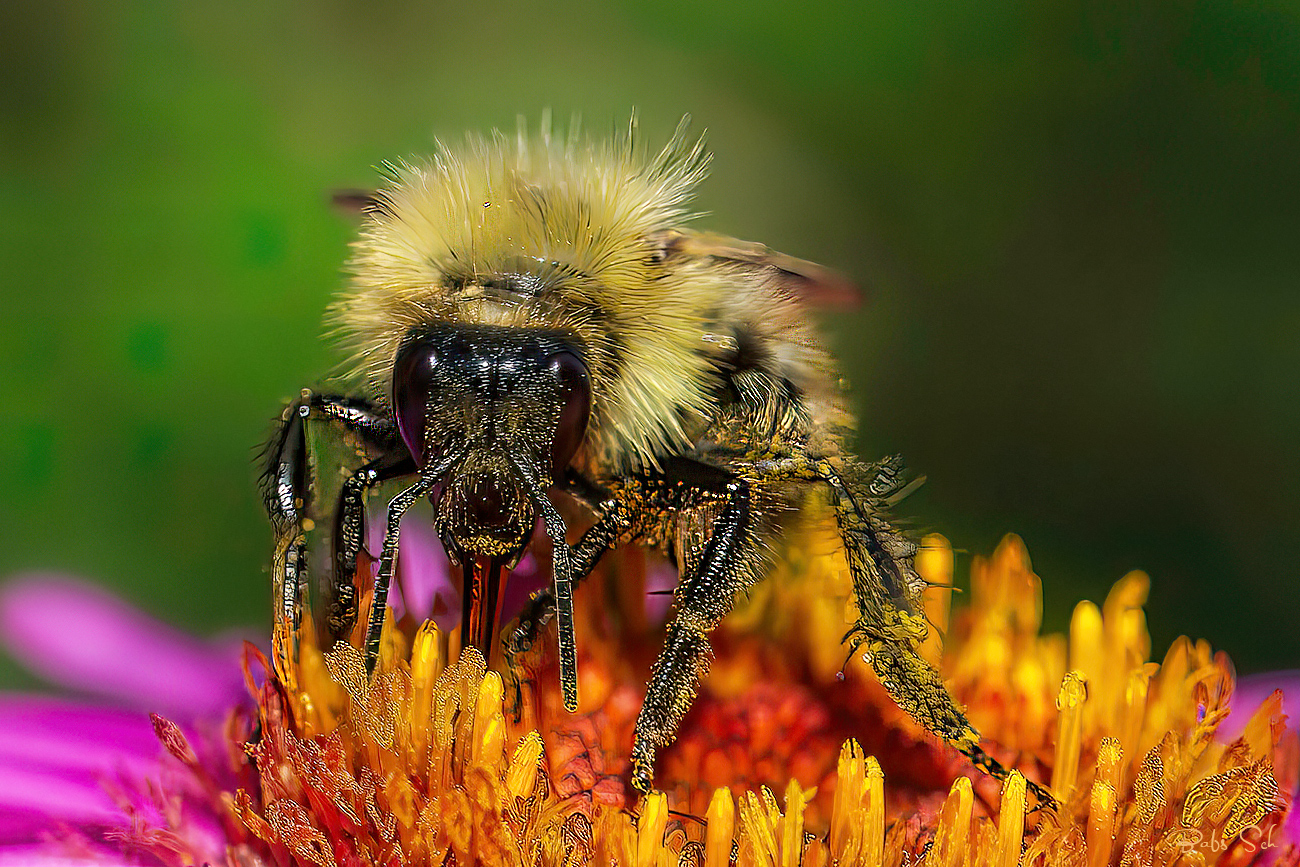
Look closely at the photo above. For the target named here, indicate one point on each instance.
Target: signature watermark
(1252, 839)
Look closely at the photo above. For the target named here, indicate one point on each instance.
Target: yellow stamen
(521, 777)
(489, 722)
(953, 831)
(817, 854)
(1101, 810)
(873, 829)
(650, 829)
(1110, 762)
(1133, 716)
(426, 659)
(757, 829)
(721, 818)
(846, 832)
(1260, 730)
(1088, 653)
(1127, 633)
(1149, 787)
(1070, 703)
(426, 664)
(791, 824)
(1011, 822)
(934, 564)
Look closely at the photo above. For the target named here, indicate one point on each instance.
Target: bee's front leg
(290, 498)
(284, 494)
(350, 536)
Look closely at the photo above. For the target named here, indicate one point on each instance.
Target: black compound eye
(414, 375)
(575, 391)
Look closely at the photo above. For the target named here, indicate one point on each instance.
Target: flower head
(434, 760)
(790, 756)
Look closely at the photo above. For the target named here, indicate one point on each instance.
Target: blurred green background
(1077, 222)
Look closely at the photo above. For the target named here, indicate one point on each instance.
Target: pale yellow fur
(584, 216)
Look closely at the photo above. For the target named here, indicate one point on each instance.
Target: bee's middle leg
(729, 562)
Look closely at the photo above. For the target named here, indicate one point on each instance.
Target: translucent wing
(816, 285)
(356, 203)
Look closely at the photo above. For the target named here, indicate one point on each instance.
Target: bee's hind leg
(890, 626)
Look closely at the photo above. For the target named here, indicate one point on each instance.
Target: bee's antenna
(562, 566)
(388, 559)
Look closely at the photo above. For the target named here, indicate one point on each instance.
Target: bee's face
(496, 414)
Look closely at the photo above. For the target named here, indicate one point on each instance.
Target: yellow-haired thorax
(535, 232)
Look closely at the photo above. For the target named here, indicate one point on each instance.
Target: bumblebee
(531, 320)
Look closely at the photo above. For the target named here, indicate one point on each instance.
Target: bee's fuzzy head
(538, 232)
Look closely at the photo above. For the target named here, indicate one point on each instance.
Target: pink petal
(55, 796)
(79, 635)
(660, 582)
(56, 758)
(43, 855)
(526, 579)
(424, 576)
(54, 733)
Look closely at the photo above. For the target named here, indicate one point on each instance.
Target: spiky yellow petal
(954, 829)
(934, 561)
(1101, 823)
(873, 826)
(850, 794)
(791, 824)
(521, 776)
(650, 829)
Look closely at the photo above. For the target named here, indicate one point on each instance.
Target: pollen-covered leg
(890, 626)
(284, 493)
(729, 562)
